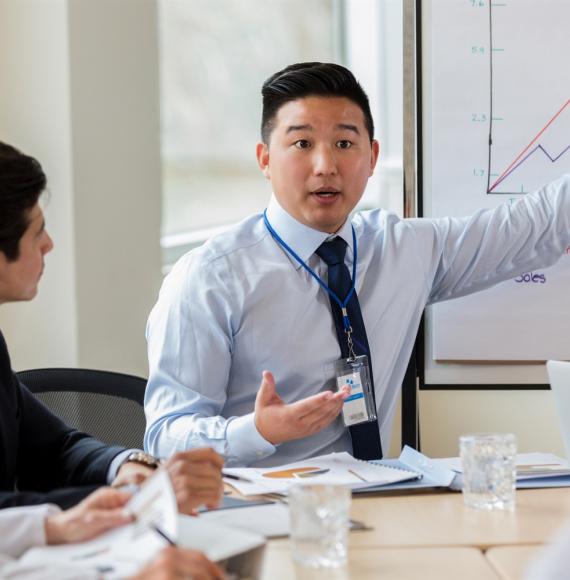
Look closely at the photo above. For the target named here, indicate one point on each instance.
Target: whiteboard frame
(434, 375)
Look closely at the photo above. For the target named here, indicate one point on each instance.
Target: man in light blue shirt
(241, 309)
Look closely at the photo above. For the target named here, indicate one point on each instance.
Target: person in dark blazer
(43, 460)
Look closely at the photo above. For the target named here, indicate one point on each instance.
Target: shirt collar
(299, 237)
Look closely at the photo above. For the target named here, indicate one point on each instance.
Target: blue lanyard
(342, 303)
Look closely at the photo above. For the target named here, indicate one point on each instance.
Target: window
(214, 58)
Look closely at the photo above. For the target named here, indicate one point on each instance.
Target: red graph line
(499, 179)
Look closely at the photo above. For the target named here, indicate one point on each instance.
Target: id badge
(359, 405)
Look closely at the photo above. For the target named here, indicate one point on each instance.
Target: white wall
(35, 116)
(116, 161)
(80, 92)
(445, 415)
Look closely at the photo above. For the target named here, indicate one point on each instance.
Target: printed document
(334, 468)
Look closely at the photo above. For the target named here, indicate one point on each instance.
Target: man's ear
(262, 153)
(374, 156)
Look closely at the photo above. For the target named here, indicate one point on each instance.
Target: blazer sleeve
(64, 497)
(43, 460)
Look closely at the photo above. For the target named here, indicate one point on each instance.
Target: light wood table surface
(433, 535)
(441, 519)
(511, 562)
(389, 563)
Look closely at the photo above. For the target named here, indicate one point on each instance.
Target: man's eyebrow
(305, 127)
(347, 127)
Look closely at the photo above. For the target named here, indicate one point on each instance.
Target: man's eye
(344, 144)
(302, 144)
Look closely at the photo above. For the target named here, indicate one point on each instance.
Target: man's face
(319, 159)
(19, 279)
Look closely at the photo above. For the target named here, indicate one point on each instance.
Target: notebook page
(334, 468)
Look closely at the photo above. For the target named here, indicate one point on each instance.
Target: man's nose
(324, 161)
(48, 244)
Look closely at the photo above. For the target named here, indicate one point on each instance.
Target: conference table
(432, 535)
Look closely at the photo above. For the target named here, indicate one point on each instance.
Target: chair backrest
(107, 405)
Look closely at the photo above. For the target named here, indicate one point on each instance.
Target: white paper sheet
(217, 541)
(481, 136)
(536, 458)
(121, 552)
(272, 520)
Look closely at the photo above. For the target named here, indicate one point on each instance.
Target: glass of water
(489, 470)
(319, 524)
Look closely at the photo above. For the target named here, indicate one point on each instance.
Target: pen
(357, 476)
(354, 524)
(236, 477)
(155, 528)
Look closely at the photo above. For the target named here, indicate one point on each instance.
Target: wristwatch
(143, 458)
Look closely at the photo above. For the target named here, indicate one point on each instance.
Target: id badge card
(359, 405)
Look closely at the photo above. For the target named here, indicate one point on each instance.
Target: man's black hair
(22, 181)
(307, 79)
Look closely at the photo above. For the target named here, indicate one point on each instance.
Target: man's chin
(29, 295)
(326, 223)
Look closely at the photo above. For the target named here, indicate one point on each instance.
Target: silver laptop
(559, 376)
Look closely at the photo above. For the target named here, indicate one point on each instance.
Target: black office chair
(104, 404)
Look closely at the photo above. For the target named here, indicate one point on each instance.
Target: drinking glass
(489, 470)
(319, 524)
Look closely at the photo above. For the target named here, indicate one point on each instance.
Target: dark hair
(308, 79)
(22, 181)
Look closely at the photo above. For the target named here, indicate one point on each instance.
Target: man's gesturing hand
(278, 422)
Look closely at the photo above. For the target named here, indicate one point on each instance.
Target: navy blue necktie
(365, 437)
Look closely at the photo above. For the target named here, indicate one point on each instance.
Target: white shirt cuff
(245, 443)
(118, 460)
(24, 527)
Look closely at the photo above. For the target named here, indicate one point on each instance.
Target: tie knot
(333, 252)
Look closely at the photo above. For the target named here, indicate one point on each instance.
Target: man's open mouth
(326, 193)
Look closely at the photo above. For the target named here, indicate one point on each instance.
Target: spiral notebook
(334, 468)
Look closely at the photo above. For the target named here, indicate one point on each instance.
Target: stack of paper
(335, 468)
(123, 551)
(534, 470)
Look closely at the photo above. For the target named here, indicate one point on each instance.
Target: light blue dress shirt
(240, 304)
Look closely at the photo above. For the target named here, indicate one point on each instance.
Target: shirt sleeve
(22, 528)
(470, 254)
(190, 335)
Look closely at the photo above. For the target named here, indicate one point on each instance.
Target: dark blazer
(43, 460)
